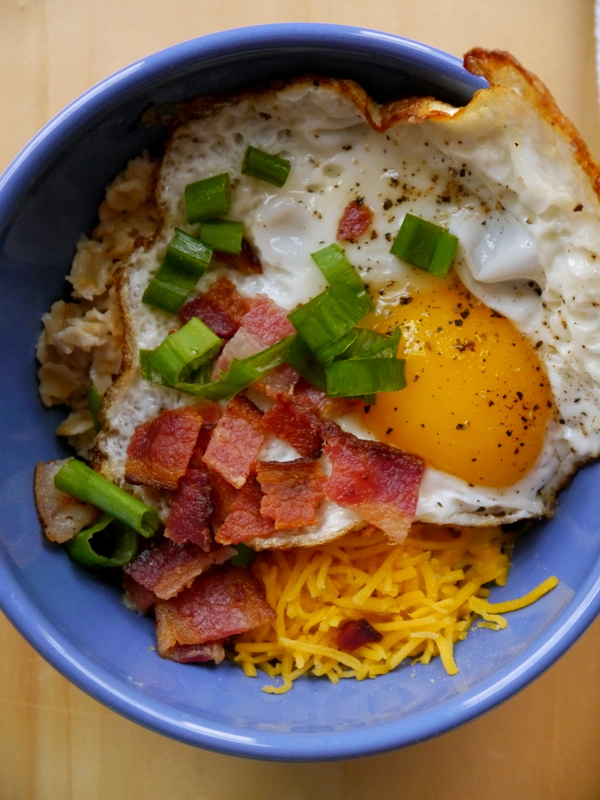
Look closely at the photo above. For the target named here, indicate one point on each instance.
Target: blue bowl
(48, 197)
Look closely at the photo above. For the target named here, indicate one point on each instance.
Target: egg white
(504, 182)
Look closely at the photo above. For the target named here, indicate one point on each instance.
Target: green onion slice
(184, 263)
(208, 198)
(265, 166)
(338, 271)
(245, 556)
(80, 481)
(183, 351)
(242, 373)
(364, 376)
(123, 540)
(425, 245)
(371, 344)
(222, 234)
(329, 315)
(299, 356)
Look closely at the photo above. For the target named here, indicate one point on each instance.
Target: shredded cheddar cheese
(421, 596)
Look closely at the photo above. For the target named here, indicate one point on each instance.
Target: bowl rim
(556, 638)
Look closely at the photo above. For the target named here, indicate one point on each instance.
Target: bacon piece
(378, 481)
(356, 633)
(223, 495)
(191, 507)
(355, 220)
(263, 325)
(166, 568)
(196, 653)
(247, 262)
(160, 449)
(280, 380)
(293, 491)
(294, 420)
(236, 441)
(61, 515)
(136, 595)
(221, 307)
(245, 520)
(216, 606)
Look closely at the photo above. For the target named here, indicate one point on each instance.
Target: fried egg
(502, 357)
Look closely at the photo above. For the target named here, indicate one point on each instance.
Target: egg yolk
(477, 400)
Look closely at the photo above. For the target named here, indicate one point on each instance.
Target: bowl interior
(48, 198)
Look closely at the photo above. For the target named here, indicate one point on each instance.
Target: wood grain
(58, 744)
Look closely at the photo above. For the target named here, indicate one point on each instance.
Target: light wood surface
(58, 744)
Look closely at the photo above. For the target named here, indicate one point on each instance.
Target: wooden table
(58, 744)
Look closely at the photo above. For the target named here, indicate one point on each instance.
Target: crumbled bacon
(356, 633)
(263, 325)
(247, 262)
(378, 481)
(245, 520)
(160, 449)
(294, 420)
(191, 507)
(217, 605)
(221, 308)
(236, 441)
(166, 567)
(355, 221)
(136, 595)
(223, 495)
(195, 653)
(292, 491)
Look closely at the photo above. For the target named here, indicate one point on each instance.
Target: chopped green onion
(94, 399)
(245, 556)
(338, 348)
(363, 376)
(184, 263)
(242, 372)
(183, 351)
(208, 198)
(222, 234)
(370, 344)
(299, 356)
(80, 481)
(338, 271)
(265, 166)
(328, 316)
(425, 245)
(124, 545)
(148, 371)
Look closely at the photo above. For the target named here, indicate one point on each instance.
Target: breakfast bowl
(49, 197)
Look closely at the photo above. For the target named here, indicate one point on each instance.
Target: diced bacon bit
(166, 567)
(267, 321)
(245, 520)
(223, 495)
(294, 420)
(61, 515)
(247, 262)
(217, 605)
(378, 481)
(356, 633)
(137, 596)
(196, 653)
(191, 507)
(293, 491)
(236, 441)
(263, 325)
(221, 308)
(355, 221)
(160, 449)
(323, 405)
(280, 380)
(211, 414)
